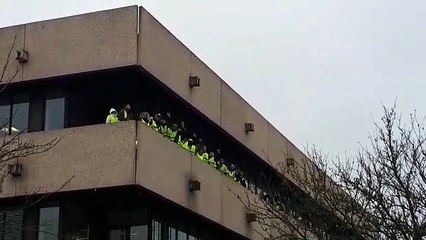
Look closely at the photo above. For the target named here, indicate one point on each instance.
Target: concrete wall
(165, 168)
(98, 156)
(107, 155)
(7, 38)
(76, 44)
(165, 57)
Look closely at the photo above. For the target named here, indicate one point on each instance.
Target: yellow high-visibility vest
(113, 118)
(199, 156)
(212, 162)
(171, 134)
(224, 169)
(231, 174)
(154, 125)
(193, 149)
(185, 145)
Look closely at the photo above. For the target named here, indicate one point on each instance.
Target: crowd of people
(177, 132)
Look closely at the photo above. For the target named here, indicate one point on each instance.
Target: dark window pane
(55, 114)
(117, 234)
(4, 117)
(20, 117)
(48, 223)
(139, 232)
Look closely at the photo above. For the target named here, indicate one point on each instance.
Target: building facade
(125, 181)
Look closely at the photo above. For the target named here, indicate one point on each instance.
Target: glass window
(20, 117)
(4, 117)
(117, 234)
(48, 223)
(139, 232)
(181, 235)
(54, 114)
(172, 233)
(156, 230)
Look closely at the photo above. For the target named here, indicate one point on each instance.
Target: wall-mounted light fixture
(251, 217)
(22, 56)
(249, 127)
(194, 185)
(14, 169)
(290, 162)
(194, 81)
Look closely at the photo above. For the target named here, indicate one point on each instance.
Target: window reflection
(48, 223)
(4, 117)
(172, 233)
(117, 234)
(55, 114)
(181, 235)
(139, 232)
(156, 230)
(20, 117)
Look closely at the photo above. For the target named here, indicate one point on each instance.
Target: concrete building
(128, 181)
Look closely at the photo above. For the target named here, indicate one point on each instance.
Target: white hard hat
(112, 110)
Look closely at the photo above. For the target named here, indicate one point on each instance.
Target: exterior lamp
(249, 127)
(14, 169)
(290, 162)
(194, 185)
(194, 81)
(22, 56)
(251, 217)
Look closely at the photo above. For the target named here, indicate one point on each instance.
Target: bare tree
(14, 146)
(380, 193)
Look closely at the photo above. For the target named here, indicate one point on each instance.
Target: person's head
(200, 140)
(211, 155)
(163, 122)
(144, 116)
(204, 148)
(127, 107)
(157, 117)
(190, 141)
(232, 167)
(200, 150)
(182, 124)
(222, 161)
(218, 151)
(113, 111)
(168, 115)
(174, 127)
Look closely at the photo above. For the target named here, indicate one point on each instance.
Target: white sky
(317, 69)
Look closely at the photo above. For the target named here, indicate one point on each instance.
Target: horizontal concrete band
(104, 156)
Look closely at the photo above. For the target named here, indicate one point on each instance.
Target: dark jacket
(121, 115)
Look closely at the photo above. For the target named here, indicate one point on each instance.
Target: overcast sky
(319, 70)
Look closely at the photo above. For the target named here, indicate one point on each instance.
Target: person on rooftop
(231, 172)
(112, 117)
(211, 160)
(155, 123)
(125, 113)
(239, 178)
(221, 166)
(145, 118)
